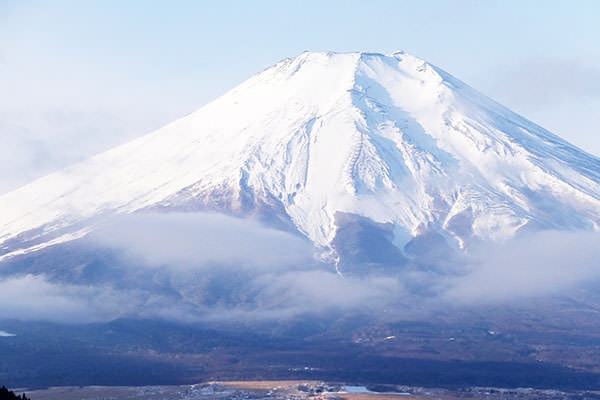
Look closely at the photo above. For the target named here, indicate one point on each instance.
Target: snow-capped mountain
(322, 141)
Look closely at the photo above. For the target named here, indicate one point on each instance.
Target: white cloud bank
(545, 263)
(193, 240)
(216, 267)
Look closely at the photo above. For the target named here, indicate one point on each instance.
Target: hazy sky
(78, 77)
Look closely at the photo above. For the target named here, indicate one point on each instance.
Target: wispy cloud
(541, 82)
(57, 109)
(560, 93)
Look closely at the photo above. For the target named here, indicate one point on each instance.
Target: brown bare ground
(375, 396)
(257, 385)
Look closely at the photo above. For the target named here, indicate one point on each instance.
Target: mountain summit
(368, 146)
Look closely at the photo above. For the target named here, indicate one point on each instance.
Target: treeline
(6, 394)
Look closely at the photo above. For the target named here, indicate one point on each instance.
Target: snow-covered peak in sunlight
(389, 138)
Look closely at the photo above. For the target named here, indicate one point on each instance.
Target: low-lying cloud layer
(192, 241)
(34, 297)
(544, 263)
(191, 267)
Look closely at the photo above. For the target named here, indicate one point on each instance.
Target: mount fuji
(350, 150)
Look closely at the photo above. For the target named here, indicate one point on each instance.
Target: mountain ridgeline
(375, 158)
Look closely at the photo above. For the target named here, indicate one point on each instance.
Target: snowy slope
(386, 137)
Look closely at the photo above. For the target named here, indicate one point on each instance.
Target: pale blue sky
(81, 76)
